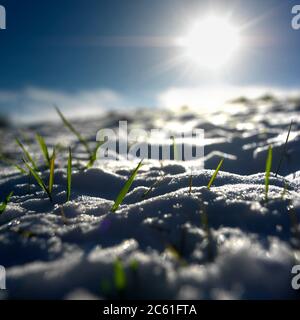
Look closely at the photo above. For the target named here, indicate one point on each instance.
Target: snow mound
(224, 243)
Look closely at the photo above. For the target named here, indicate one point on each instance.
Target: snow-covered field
(246, 250)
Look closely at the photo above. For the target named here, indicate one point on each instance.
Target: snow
(248, 254)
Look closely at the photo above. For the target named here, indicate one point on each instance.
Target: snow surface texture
(246, 251)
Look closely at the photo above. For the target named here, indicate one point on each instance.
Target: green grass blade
(27, 154)
(211, 181)
(11, 163)
(4, 204)
(93, 156)
(268, 171)
(23, 171)
(207, 229)
(120, 280)
(134, 265)
(294, 220)
(153, 186)
(38, 179)
(51, 174)
(126, 187)
(69, 175)
(44, 149)
(73, 130)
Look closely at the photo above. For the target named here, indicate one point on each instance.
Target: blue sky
(104, 50)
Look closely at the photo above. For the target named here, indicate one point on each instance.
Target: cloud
(208, 98)
(36, 104)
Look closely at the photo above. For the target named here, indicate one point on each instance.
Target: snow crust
(248, 253)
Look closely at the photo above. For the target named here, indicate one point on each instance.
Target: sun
(211, 42)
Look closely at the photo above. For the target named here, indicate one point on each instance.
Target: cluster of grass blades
(92, 153)
(33, 169)
(4, 204)
(32, 166)
(125, 188)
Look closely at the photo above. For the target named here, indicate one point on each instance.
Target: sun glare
(211, 42)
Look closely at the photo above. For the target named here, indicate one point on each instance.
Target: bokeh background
(94, 55)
